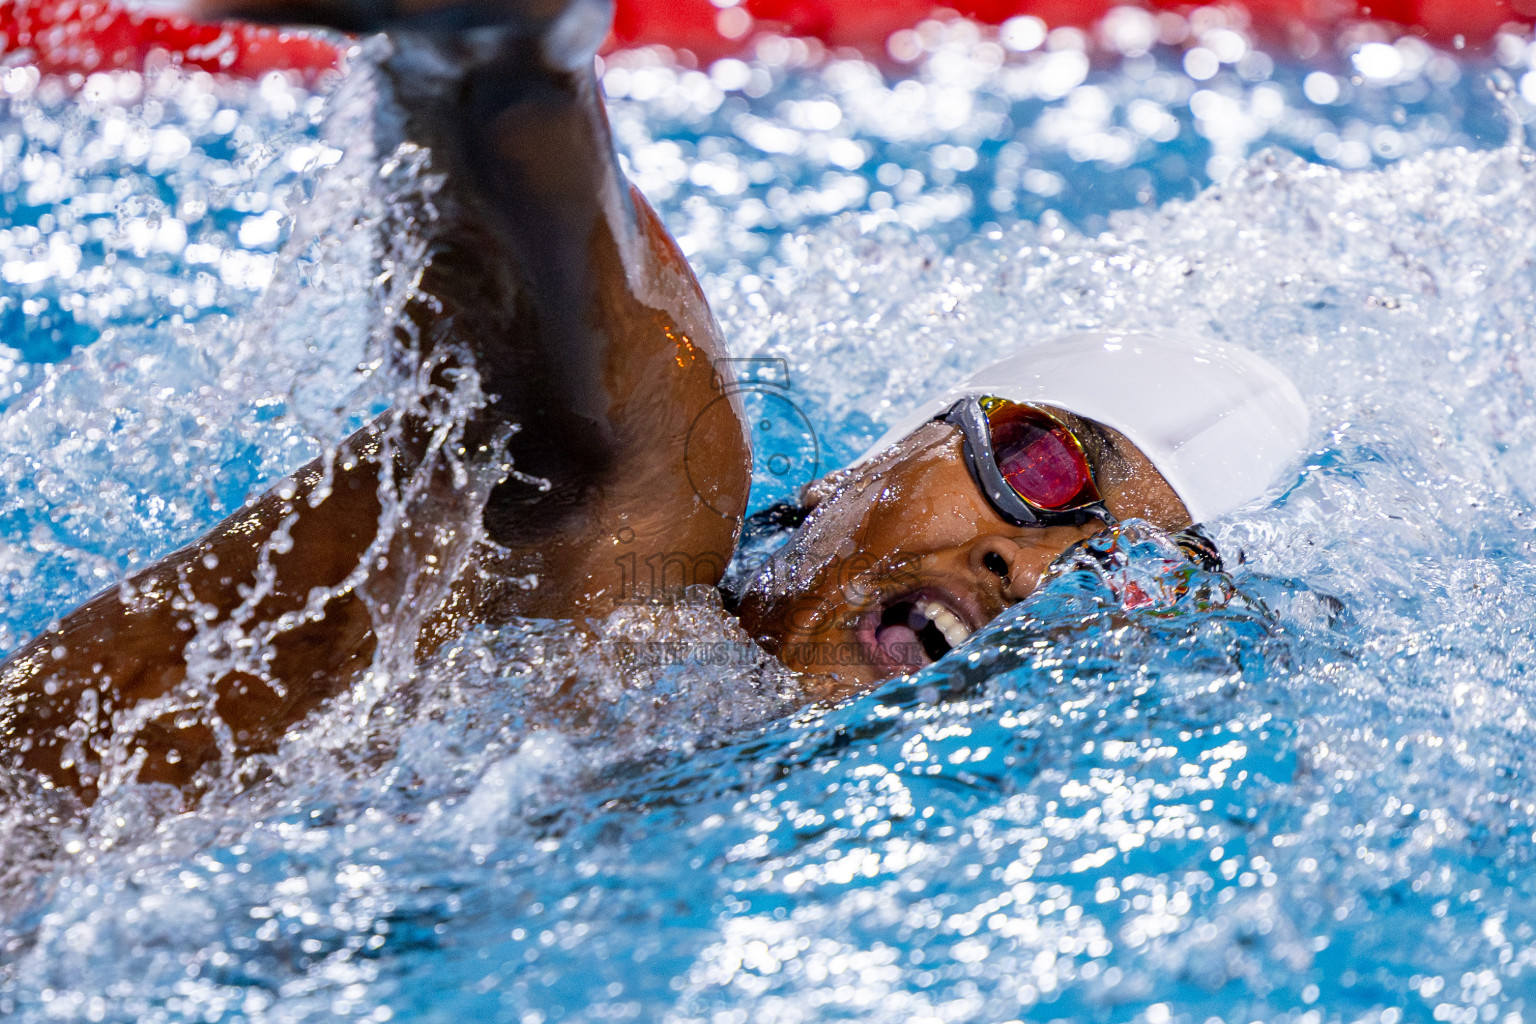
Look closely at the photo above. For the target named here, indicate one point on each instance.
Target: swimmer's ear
(817, 491)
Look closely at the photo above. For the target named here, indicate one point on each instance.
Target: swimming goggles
(1029, 465)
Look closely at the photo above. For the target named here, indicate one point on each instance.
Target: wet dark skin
(550, 277)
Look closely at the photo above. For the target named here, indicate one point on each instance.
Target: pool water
(1296, 791)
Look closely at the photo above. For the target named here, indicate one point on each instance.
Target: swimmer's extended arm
(553, 280)
(574, 305)
(580, 314)
(582, 317)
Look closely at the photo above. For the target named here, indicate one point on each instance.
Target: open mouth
(916, 630)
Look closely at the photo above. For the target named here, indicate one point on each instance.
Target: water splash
(967, 127)
(1298, 791)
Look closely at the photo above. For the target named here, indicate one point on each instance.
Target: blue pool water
(1300, 792)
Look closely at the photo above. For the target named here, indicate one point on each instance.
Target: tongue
(901, 645)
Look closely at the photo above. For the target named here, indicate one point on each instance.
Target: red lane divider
(82, 36)
(712, 32)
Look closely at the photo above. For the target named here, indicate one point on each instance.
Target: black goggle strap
(981, 460)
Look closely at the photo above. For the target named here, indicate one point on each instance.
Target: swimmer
(603, 436)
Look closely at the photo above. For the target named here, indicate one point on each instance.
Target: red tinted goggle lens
(1039, 458)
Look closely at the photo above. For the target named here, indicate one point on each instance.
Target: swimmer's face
(902, 557)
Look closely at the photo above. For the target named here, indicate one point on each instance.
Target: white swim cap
(1220, 424)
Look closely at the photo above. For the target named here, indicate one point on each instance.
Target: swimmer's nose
(1017, 563)
(1007, 562)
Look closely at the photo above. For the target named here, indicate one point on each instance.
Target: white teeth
(955, 631)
